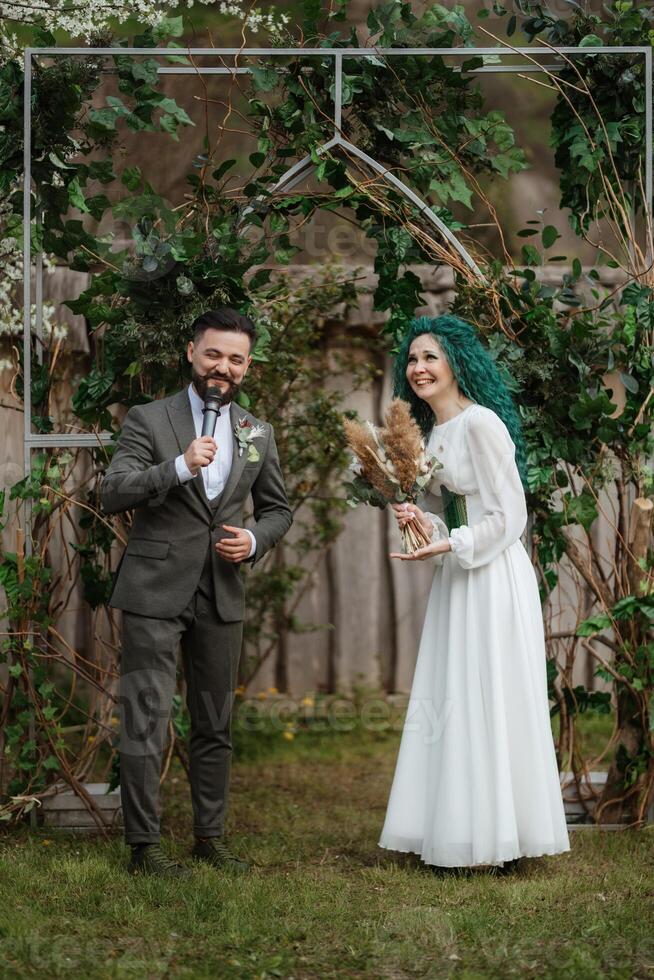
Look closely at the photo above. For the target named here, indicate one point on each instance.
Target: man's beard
(202, 382)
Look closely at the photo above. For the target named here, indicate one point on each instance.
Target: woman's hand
(409, 512)
(438, 547)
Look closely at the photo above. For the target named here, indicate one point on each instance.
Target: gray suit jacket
(174, 523)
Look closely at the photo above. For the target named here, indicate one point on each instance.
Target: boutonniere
(245, 434)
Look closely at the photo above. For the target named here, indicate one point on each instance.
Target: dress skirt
(476, 780)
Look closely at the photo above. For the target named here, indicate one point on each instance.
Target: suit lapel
(181, 420)
(238, 462)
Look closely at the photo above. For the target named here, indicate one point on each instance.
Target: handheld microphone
(213, 401)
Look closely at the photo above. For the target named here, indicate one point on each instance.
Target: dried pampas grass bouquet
(390, 465)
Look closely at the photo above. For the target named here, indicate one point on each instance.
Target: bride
(476, 780)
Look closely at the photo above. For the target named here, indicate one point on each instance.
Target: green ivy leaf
(169, 125)
(102, 171)
(76, 195)
(580, 510)
(131, 178)
(171, 108)
(591, 41)
(454, 188)
(629, 328)
(97, 205)
(593, 625)
(168, 27)
(145, 71)
(103, 120)
(401, 241)
(264, 79)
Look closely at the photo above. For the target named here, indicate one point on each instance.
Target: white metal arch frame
(303, 168)
(293, 175)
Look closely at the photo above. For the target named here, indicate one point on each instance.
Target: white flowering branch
(85, 20)
(11, 311)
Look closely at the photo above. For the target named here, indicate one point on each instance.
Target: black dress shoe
(151, 860)
(215, 851)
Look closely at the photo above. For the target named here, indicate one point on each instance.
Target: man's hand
(237, 548)
(200, 453)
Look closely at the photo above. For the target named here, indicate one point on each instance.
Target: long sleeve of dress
(432, 506)
(505, 510)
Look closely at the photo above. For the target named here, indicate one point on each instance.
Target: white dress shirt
(216, 473)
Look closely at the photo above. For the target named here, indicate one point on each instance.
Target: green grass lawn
(323, 900)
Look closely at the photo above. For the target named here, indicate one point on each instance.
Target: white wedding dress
(476, 780)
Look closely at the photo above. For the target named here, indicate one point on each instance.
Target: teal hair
(476, 373)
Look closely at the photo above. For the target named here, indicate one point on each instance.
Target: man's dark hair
(224, 318)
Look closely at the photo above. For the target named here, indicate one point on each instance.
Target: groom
(180, 580)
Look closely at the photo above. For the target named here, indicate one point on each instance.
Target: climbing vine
(427, 123)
